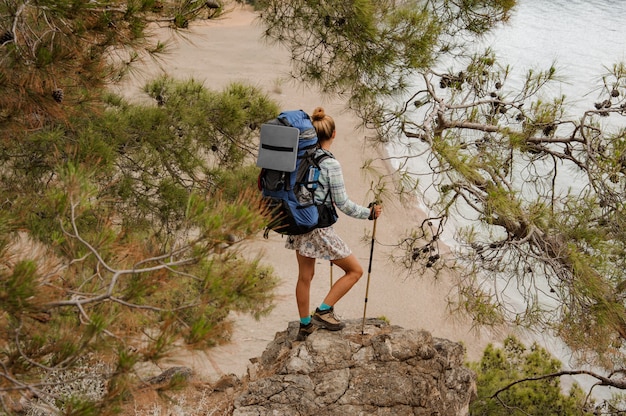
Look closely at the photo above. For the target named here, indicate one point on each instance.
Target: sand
(218, 52)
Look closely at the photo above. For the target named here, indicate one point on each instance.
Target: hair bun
(318, 114)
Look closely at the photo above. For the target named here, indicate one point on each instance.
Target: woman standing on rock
(324, 243)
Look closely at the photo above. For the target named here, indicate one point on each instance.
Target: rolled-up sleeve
(332, 178)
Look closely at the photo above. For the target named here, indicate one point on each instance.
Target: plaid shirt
(331, 177)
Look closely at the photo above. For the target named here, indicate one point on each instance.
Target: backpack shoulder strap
(323, 155)
(319, 158)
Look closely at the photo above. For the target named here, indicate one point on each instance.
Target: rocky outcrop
(386, 370)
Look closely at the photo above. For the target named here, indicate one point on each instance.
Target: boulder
(384, 370)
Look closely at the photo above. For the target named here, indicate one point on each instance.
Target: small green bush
(500, 367)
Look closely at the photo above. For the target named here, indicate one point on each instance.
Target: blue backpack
(290, 169)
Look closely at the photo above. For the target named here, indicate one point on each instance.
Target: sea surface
(582, 38)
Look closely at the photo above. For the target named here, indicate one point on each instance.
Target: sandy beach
(218, 52)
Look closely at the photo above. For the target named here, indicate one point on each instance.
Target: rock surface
(386, 370)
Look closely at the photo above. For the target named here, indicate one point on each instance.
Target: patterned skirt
(321, 243)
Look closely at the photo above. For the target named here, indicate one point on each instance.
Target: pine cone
(57, 94)
(6, 37)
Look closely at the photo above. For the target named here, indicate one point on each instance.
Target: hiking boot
(327, 319)
(305, 331)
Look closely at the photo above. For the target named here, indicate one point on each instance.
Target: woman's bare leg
(306, 270)
(353, 272)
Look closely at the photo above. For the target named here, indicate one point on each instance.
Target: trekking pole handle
(375, 209)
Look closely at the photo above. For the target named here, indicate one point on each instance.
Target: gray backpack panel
(278, 148)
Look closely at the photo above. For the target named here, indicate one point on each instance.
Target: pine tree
(65, 52)
(121, 225)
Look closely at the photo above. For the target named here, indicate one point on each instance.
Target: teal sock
(324, 307)
(306, 320)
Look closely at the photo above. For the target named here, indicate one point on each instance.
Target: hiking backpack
(289, 176)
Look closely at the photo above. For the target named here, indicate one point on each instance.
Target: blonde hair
(323, 123)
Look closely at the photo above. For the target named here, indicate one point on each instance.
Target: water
(583, 38)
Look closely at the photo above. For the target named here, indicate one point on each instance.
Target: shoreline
(230, 49)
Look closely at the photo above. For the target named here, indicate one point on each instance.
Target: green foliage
(150, 158)
(234, 183)
(500, 367)
(131, 230)
(389, 40)
(58, 56)
(17, 288)
(372, 49)
(224, 122)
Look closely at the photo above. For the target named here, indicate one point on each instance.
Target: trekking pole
(331, 273)
(369, 272)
